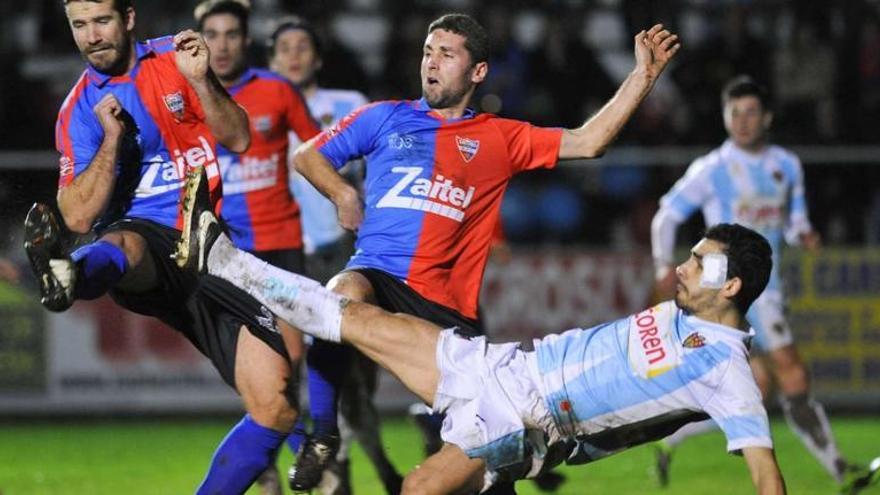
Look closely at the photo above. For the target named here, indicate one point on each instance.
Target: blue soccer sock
(247, 451)
(101, 265)
(327, 364)
(298, 437)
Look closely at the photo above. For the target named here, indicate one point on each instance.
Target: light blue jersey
(320, 226)
(642, 377)
(763, 191)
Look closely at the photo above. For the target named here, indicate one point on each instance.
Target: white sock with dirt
(298, 300)
(807, 419)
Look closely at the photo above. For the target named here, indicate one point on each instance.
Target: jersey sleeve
(798, 221)
(299, 119)
(690, 192)
(353, 136)
(685, 197)
(737, 408)
(530, 147)
(193, 102)
(78, 135)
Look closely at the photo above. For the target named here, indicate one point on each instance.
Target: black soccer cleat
(55, 271)
(311, 462)
(196, 200)
(549, 481)
(858, 478)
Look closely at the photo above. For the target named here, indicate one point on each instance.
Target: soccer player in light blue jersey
(759, 185)
(578, 396)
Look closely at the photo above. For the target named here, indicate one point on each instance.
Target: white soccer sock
(807, 419)
(689, 430)
(298, 300)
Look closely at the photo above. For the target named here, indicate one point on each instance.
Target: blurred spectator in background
(804, 75)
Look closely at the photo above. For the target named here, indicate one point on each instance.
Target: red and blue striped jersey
(433, 190)
(166, 134)
(257, 204)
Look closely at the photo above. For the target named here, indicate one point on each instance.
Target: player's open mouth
(431, 80)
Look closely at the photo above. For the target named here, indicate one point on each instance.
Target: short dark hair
(294, 22)
(120, 6)
(476, 40)
(743, 85)
(749, 257)
(236, 8)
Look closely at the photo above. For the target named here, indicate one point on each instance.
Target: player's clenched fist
(654, 49)
(191, 55)
(109, 113)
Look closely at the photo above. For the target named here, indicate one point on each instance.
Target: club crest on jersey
(467, 147)
(777, 176)
(694, 340)
(175, 105)
(262, 124)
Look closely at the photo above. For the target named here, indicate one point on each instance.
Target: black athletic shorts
(208, 311)
(395, 296)
(330, 259)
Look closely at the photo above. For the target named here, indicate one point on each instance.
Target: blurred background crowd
(553, 63)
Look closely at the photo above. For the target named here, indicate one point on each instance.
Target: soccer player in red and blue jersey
(258, 207)
(437, 171)
(142, 116)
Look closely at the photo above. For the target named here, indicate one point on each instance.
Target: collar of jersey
(246, 77)
(422, 106)
(141, 50)
(745, 337)
(747, 157)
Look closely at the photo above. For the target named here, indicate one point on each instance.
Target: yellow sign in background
(834, 304)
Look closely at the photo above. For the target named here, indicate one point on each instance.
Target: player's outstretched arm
(309, 162)
(226, 119)
(764, 470)
(653, 50)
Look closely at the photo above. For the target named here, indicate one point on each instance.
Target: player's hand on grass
(109, 113)
(191, 55)
(654, 49)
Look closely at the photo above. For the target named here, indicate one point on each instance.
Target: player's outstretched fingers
(184, 39)
(659, 37)
(668, 42)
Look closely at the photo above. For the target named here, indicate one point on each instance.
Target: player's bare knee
(277, 413)
(352, 285)
(132, 244)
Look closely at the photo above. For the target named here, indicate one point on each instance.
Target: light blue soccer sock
(248, 450)
(101, 265)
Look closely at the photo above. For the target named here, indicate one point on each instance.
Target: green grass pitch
(170, 457)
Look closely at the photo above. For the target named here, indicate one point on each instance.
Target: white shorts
(493, 406)
(767, 317)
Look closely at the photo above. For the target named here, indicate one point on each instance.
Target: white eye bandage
(714, 271)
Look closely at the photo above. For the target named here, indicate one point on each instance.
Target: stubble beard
(115, 66)
(444, 99)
